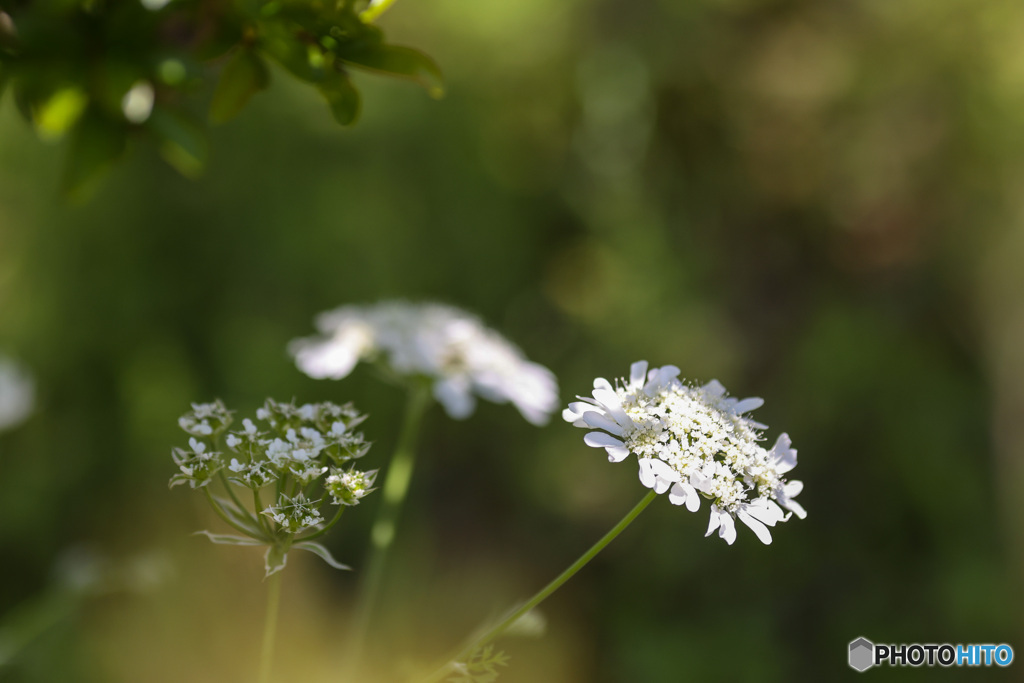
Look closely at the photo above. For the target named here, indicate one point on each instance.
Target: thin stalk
(395, 489)
(492, 634)
(321, 532)
(223, 515)
(270, 625)
(231, 491)
(375, 9)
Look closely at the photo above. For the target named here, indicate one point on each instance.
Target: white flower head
(462, 357)
(693, 442)
(17, 393)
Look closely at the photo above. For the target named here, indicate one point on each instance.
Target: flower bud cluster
(302, 451)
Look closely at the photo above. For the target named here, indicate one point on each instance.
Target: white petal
(714, 387)
(747, 404)
(663, 470)
(647, 477)
(797, 509)
(677, 495)
(759, 529)
(598, 421)
(714, 521)
(604, 385)
(728, 530)
(610, 401)
(617, 453)
(325, 360)
(456, 397)
(765, 511)
(661, 377)
(684, 493)
(783, 454)
(601, 440)
(793, 488)
(637, 373)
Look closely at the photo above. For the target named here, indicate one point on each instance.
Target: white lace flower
(17, 393)
(693, 442)
(462, 357)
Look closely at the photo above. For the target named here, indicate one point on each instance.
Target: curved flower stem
(492, 634)
(231, 491)
(223, 515)
(396, 486)
(375, 9)
(321, 532)
(270, 626)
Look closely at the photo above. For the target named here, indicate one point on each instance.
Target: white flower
(693, 442)
(17, 393)
(462, 357)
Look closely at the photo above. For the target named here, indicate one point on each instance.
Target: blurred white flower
(693, 442)
(453, 348)
(17, 393)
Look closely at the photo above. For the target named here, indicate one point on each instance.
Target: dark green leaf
(243, 76)
(96, 143)
(342, 97)
(403, 62)
(284, 46)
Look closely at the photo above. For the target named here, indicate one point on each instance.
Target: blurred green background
(820, 203)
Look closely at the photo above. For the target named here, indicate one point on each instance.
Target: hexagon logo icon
(862, 654)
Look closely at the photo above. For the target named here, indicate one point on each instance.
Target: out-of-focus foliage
(103, 71)
(815, 202)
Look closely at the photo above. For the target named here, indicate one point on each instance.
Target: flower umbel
(461, 357)
(287, 448)
(693, 442)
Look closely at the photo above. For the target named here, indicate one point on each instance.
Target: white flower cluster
(17, 393)
(292, 447)
(458, 353)
(347, 488)
(693, 442)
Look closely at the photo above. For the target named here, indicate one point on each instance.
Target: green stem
(515, 615)
(376, 8)
(223, 515)
(396, 486)
(321, 532)
(231, 491)
(270, 626)
(261, 519)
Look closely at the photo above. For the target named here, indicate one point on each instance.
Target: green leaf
(322, 553)
(290, 52)
(402, 62)
(342, 97)
(226, 539)
(243, 76)
(275, 559)
(182, 142)
(96, 143)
